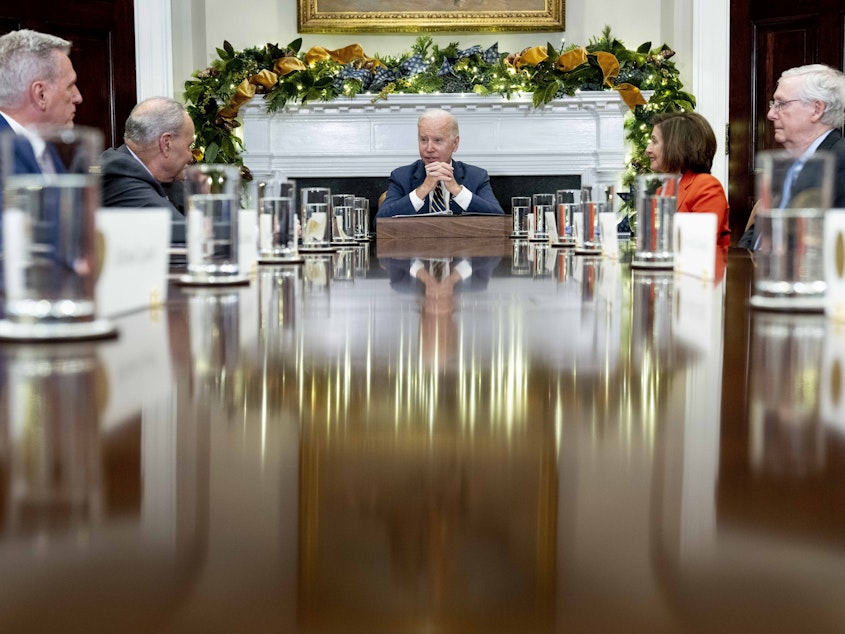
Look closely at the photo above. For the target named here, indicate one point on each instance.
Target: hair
(437, 113)
(27, 56)
(153, 117)
(825, 84)
(688, 142)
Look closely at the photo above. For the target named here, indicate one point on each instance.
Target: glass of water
(316, 225)
(49, 237)
(213, 203)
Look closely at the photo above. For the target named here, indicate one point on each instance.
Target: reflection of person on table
(807, 112)
(465, 188)
(684, 143)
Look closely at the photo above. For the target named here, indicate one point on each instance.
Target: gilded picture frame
(398, 16)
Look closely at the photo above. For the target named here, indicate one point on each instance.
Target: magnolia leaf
(644, 48)
(295, 45)
(211, 152)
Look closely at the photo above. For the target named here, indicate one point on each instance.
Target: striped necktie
(438, 200)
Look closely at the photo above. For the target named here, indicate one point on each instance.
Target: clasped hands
(438, 172)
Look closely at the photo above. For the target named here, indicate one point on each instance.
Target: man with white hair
(808, 111)
(436, 183)
(157, 146)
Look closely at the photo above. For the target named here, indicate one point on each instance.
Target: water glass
(520, 209)
(362, 218)
(277, 239)
(568, 203)
(586, 222)
(544, 216)
(343, 219)
(315, 210)
(49, 238)
(656, 206)
(789, 255)
(212, 196)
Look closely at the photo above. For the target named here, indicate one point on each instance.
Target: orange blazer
(704, 192)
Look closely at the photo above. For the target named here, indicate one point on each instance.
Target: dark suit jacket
(835, 144)
(24, 155)
(404, 180)
(127, 183)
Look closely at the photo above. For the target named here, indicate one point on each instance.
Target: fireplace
(353, 144)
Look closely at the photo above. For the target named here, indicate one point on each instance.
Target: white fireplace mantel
(580, 135)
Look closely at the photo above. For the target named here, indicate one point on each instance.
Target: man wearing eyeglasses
(807, 112)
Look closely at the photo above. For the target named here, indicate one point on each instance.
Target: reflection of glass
(55, 397)
(214, 322)
(786, 437)
(522, 260)
(49, 236)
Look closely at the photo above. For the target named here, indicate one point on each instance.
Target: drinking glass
(789, 229)
(315, 210)
(568, 203)
(362, 218)
(587, 227)
(212, 200)
(520, 209)
(343, 219)
(544, 216)
(277, 239)
(656, 205)
(49, 238)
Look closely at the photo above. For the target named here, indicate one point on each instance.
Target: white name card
(609, 236)
(834, 263)
(135, 246)
(695, 244)
(247, 240)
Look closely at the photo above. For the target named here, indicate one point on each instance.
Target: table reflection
(431, 441)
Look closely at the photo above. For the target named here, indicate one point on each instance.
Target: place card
(133, 247)
(609, 236)
(834, 263)
(695, 244)
(832, 380)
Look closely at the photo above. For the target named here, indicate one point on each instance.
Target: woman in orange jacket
(684, 143)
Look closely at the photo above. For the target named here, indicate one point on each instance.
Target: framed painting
(369, 16)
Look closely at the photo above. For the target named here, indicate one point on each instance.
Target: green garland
(209, 91)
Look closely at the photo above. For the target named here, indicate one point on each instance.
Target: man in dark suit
(149, 165)
(808, 111)
(436, 183)
(37, 86)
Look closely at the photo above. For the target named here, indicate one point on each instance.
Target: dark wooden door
(767, 37)
(103, 54)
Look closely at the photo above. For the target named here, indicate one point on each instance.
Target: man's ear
(818, 110)
(164, 143)
(38, 94)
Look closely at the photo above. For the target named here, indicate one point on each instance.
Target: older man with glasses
(808, 111)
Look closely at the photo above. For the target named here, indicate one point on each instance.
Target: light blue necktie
(788, 183)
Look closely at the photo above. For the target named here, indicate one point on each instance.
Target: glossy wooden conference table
(557, 445)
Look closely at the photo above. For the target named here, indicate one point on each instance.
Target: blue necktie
(438, 200)
(788, 183)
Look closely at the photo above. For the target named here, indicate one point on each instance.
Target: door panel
(103, 53)
(769, 36)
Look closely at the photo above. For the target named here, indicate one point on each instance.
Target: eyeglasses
(779, 105)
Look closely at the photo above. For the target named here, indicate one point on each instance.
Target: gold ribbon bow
(572, 59)
(631, 95)
(351, 53)
(529, 57)
(609, 66)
